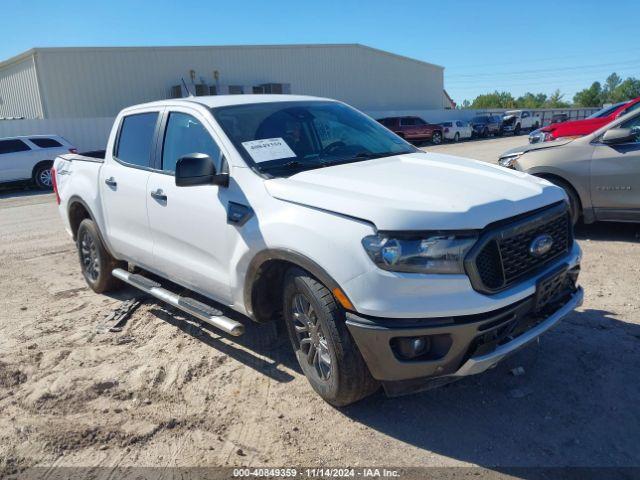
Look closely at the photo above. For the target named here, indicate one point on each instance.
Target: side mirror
(198, 169)
(618, 135)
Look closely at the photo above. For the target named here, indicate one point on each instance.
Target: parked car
(413, 129)
(31, 157)
(600, 172)
(559, 118)
(517, 120)
(485, 125)
(387, 264)
(456, 130)
(589, 125)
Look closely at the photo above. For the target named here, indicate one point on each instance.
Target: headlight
(437, 253)
(538, 136)
(508, 161)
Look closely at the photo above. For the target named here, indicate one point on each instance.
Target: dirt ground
(165, 391)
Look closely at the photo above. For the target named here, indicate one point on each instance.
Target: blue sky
(506, 45)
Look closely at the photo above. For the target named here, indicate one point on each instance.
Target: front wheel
(96, 263)
(326, 352)
(575, 206)
(456, 137)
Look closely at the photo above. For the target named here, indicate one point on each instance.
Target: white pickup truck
(517, 120)
(389, 266)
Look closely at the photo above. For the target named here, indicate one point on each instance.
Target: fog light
(412, 347)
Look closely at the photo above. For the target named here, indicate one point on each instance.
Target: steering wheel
(332, 146)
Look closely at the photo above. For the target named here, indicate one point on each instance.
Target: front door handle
(111, 182)
(159, 195)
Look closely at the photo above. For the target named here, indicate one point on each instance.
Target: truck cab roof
(213, 101)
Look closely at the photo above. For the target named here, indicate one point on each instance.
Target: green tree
(627, 90)
(589, 97)
(555, 100)
(612, 82)
(494, 100)
(530, 100)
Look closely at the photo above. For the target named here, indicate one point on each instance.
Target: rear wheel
(436, 138)
(42, 176)
(325, 350)
(485, 132)
(96, 263)
(456, 137)
(516, 131)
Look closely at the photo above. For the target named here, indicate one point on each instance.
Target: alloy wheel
(311, 337)
(45, 178)
(90, 258)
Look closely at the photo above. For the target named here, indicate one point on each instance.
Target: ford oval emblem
(541, 245)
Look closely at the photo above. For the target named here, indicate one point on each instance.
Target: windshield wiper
(291, 164)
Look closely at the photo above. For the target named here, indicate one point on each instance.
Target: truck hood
(418, 191)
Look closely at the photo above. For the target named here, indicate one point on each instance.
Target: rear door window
(184, 135)
(406, 122)
(135, 140)
(13, 146)
(45, 142)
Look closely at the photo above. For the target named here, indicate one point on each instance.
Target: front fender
(325, 244)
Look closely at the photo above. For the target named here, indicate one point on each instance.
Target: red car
(413, 128)
(590, 124)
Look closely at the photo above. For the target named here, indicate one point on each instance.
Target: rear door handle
(111, 182)
(159, 195)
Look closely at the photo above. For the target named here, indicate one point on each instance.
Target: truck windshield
(283, 138)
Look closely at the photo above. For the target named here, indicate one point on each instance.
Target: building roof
(33, 51)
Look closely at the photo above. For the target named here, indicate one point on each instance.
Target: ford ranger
(388, 265)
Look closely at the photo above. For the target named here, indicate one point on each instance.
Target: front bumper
(461, 346)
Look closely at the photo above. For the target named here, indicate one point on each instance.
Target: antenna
(186, 88)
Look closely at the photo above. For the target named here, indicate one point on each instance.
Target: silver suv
(600, 172)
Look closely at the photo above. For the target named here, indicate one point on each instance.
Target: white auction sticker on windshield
(268, 149)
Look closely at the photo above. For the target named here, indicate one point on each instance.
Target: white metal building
(54, 83)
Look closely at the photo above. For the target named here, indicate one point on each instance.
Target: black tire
(96, 263)
(326, 352)
(516, 131)
(456, 137)
(575, 206)
(436, 138)
(42, 176)
(536, 126)
(485, 133)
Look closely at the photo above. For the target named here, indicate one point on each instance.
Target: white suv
(389, 265)
(31, 158)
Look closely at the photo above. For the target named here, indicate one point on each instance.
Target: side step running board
(200, 310)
